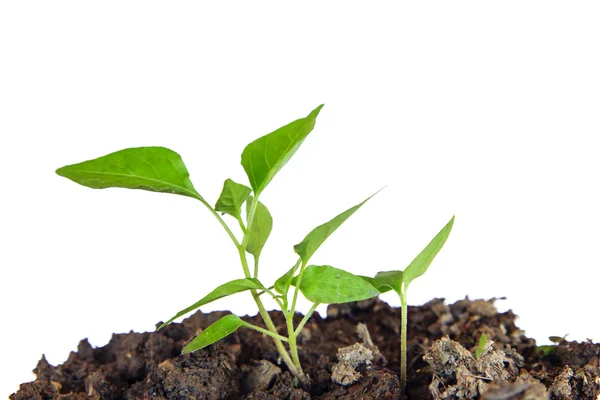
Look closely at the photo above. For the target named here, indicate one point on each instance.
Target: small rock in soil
(459, 375)
(350, 358)
(259, 376)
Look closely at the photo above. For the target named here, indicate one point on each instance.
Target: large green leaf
(317, 236)
(229, 288)
(215, 332)
(264, 157)
(283, 283)
(155, 169)
(328, 285)
(387, 280)
(261, 227)
(232, 197)
(420, 264)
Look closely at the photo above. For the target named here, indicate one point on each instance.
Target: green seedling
(159, 169)
(400, 280)
(481, 346)
(547, 349)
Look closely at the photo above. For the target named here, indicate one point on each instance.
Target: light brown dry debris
(259, 376)
(351, 357)
(561, 386)
(365, 336)
(515, 391)
(458, 375)
(583, 384)
(343, 373)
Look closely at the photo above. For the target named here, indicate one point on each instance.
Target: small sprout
(546, 350)
(481, 346)
(558, 339)
(400, 280)
(159, 169)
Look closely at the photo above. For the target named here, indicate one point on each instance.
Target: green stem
(305, 319)
(403, 346)
(292, 309)
(261, 308)
(271, 326)
(256, 266)
(292, 341)
(223, 224)
(264, 331)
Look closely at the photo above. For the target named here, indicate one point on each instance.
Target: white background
(487, 111)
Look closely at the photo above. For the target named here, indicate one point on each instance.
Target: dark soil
(441, 343)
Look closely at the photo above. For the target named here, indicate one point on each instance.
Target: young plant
(159, 169)
(481, 346)
(400, 280)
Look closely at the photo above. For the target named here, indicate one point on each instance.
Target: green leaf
(259, 232)
(317, 236)
(420, 264)
(283, 283)
(328, 285)
(215, 332)
(156, 169)
(481, 345)
(229, 288)
(383, 289)
(264, 157)
(232, 197)
(389, 280)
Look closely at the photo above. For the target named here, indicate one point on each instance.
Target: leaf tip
(61, 171)
(317, 110)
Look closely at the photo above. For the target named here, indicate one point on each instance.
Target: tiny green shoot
(159, 169)
(400, 280)
(481, 345)
(547, 349)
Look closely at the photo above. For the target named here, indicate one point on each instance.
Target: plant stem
(264, 331)
(403, 346)
(305, 319)
(261, 308)
(292, 309)
(269, 322)
(292, 341)
(218, 217)
(256, 266)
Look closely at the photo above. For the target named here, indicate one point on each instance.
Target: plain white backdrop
(484, 110)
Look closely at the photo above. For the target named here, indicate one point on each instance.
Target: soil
(441, 364)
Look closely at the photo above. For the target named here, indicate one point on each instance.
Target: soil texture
(351, 354)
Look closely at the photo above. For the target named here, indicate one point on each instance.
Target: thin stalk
(264, 331)
(218, 217)
(292, 309)
(256, 266)
(305, 319)
(403, 346)
(261, 308)
(292, 341)
(269, 322)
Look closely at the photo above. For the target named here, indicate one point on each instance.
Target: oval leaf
(229, 288)
(259, 232)
(264, 157)
(420, 264)
(215, 332)
(156, 169)
(328, 285)
(232, 197)
(317, 236)
(387, 280)
(283, 283)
